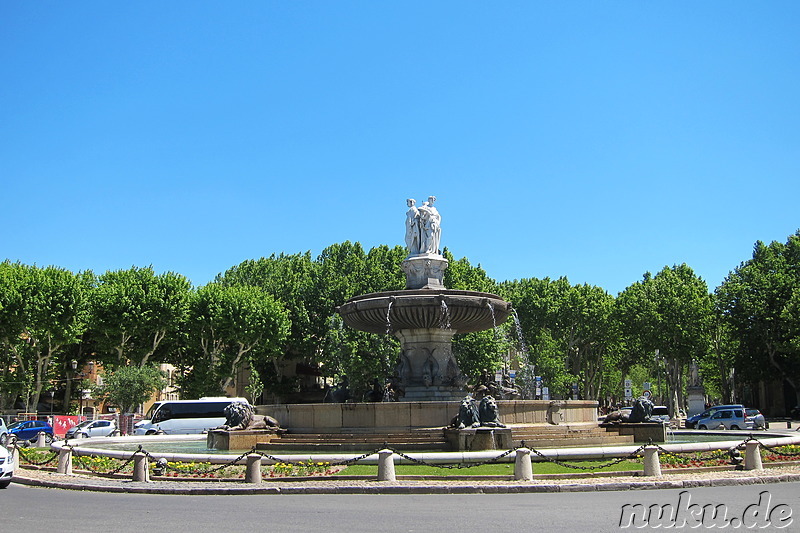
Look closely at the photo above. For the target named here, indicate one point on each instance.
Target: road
(35, 509)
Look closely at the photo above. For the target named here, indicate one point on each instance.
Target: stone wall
(404, 416)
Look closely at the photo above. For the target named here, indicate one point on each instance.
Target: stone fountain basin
(467, 311)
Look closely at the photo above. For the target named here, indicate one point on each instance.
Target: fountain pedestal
(425, 320)
(427, 367)
(221, 439)
(424, 271)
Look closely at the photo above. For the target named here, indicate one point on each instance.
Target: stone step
(592, 441)
(278, 447)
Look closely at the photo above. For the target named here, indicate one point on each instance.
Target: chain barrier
(345, 462)
(454, 465)
(788, 454)
(54, 455)
(80, 458)
(633, 455)
(196, 471)
(353, 460)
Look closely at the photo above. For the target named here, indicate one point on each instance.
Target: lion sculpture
(242, 415)
(642, 411)
(489, 413)
(467, 414)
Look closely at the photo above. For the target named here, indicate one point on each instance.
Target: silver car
(723, 419)
(754, 419)
(92, 428)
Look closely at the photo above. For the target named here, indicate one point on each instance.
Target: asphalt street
(32, 509)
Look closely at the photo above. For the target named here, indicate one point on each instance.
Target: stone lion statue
(489, 413)
(467, 414)
(242, 415)
(642, 410)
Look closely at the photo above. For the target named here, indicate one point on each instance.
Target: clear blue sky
(593, 140)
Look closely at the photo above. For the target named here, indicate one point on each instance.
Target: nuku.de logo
(693, 515)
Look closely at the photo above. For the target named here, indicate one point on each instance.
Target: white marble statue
(413, 230)
(423, 227)
(431, 222)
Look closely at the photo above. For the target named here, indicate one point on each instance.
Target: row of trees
(282, 308)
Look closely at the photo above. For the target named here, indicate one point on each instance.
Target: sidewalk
(682, 480)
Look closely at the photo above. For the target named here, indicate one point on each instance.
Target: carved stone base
(641, 431)
(425, 271)
(220, 439)
(482, 438)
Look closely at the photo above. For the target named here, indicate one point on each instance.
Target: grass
(497, 469)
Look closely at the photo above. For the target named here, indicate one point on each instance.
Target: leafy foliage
(130, 386)
(760, 300)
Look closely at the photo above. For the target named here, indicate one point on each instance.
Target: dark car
(28, 430)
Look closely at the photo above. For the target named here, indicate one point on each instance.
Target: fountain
(426, 315)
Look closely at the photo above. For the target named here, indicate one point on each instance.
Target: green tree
(43, 311)
(670, 312)
(289, 279)
(229, 325)
(136, 312)
(760, 301)
(478, 350)
(345, 271)
(130, 386)
(571, 331)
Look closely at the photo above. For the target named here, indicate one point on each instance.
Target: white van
(184, 417)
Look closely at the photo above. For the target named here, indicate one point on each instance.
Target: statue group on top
(423, 228)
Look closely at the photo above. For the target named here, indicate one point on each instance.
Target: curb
(387, 487)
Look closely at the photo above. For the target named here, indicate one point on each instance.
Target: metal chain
(346, 462)
(455, 465)
(117, 470)
(34, 463)
(196, 471)
(789, 454)
(633, 455)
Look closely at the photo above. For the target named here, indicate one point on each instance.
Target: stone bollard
(253, 473)
(15, 456)
(652, 466)
(141, 469)
(41, 440)
(752, 456)
(386, 466)
(523, 470)
(65, 461)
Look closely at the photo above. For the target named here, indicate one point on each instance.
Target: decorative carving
(430, 371)
(554, 414)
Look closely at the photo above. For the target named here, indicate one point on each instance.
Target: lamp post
(75, 377)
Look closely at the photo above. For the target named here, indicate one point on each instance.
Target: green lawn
(499, 469)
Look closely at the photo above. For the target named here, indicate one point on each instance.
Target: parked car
(660, 414)
(754, 419)
(184, 417)
(6, 467)
(28, 430)
(724, 419)
(92, 428)
(3, 431)
(691, 422)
